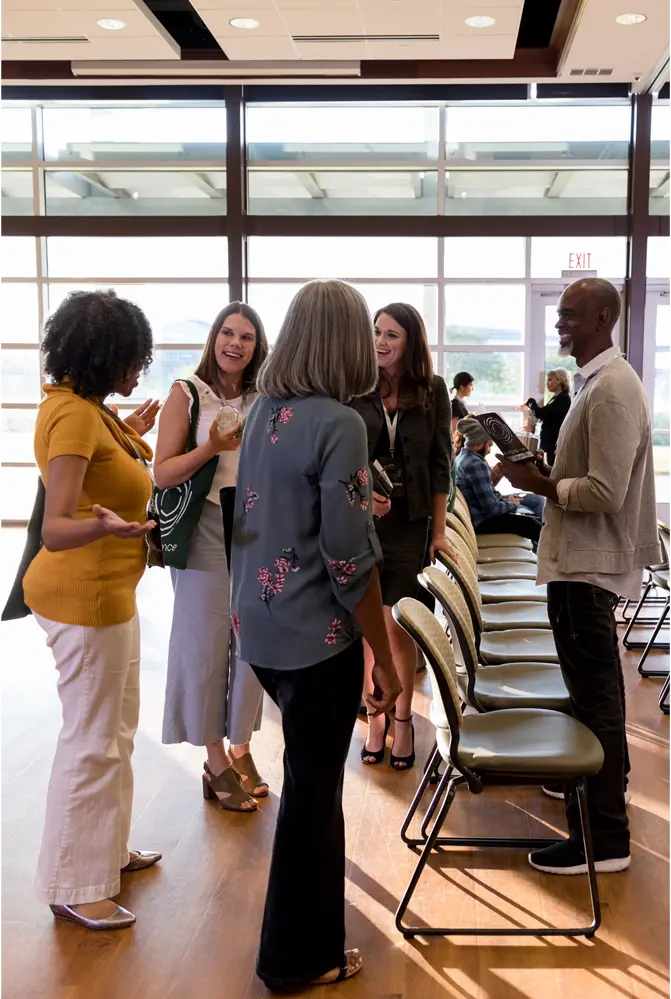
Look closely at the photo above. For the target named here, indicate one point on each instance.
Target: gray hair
(325, 346)
(563, 377)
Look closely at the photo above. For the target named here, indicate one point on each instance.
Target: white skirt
(210, 693)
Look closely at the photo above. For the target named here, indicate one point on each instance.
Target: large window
(530, 159)
(180, 284)
(343, 160)
(659, 160)
(537, 159)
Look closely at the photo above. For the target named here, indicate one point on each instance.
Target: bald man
(600, 532)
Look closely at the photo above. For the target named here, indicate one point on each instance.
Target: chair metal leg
(433, 804)
(652, 644)
(664, 697)
(432, 762)
(434, 840)
(589, 857)
(634, 616)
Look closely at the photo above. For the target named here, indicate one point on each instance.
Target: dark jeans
(511, 523)
(583, 623)
(303, 934)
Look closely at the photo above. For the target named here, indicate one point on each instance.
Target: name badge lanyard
(391, 430)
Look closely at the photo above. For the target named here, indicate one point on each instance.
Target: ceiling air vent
(590, 72)
(366, 38)
(41, 40)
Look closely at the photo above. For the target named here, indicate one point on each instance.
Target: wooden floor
(199, 911)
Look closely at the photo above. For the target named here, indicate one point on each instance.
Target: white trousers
(90, 796)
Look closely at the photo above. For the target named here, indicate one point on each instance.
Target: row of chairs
(499, 707)
(655, 597)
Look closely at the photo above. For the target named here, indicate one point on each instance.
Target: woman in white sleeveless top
(211, 695)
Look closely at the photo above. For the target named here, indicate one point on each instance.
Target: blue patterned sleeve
(347, 541)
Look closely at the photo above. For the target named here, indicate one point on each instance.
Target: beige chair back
(464, 572)
(466, 532)
(451, 599)
(427, 633)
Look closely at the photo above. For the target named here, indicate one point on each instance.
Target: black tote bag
(16, 607)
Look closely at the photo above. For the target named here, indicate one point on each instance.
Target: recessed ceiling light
(246, 23)
(480, 22)
(111, 24)
(631, 18)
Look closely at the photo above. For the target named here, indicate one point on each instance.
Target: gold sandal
(227, 789)
(352, 965)
(245, 767)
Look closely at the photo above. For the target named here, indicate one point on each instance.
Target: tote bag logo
(172, 505)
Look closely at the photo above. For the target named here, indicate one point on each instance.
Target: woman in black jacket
(554, 413)
(408, 421)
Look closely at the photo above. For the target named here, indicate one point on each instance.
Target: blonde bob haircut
(563, 377)
(325, 346)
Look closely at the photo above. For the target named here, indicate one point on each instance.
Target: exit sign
(580, 261)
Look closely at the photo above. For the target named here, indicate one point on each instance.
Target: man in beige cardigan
(600, 532)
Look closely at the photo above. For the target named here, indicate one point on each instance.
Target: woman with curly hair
(210, 693)
(81, 590)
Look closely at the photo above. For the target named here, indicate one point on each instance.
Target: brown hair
(325, 346)
(415, 389)
(208, 369)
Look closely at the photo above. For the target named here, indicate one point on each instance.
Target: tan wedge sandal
(245, 767)
(227, 789)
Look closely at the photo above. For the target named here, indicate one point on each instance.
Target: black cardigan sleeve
(440, 456)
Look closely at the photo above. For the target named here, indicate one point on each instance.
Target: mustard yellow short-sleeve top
(94, 585)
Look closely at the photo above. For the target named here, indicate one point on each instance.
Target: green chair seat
(486, 555)
(518, 645)
(507, 570)
(497, 591)
(521, 685)
(522, 741)
(515, 614)
(503, 541)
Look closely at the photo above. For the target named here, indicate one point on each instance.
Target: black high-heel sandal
(379, 755)
(406, 761)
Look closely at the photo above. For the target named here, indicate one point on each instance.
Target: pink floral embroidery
(357, 486)
(342, 570)
(333, 632)
(280, 415)
(235, 623)
(250, 500)
(273, 584)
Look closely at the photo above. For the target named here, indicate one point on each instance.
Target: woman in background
(408, 425)
(462, 385)
(553, 414)
(81, 589)
(305, 590)
(210, 693)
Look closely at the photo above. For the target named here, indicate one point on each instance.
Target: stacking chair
(492, 617)
(658, 580)
(498, 591)
(522, 683)
(508, 569)
(485, 541)
(509, 747)
(493, 648)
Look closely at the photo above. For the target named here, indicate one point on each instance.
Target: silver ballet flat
(119, 920)
(145, 858)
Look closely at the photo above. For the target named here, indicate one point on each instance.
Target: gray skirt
(210, 693)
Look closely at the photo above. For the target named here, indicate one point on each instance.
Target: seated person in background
(554, 413)
(490, 513)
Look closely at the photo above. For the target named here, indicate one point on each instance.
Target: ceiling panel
(283, 18)
(245, 49)
(143, 37)
(600, 42)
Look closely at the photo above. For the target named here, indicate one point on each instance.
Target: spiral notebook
(507, 441)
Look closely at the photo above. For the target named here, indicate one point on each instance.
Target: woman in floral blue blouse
(305, 592)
